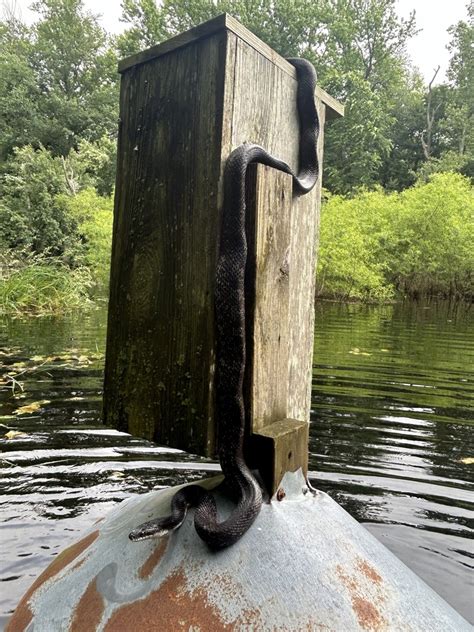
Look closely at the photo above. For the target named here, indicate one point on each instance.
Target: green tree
(76, 73)
(461, 76)
(32, 217)
(459, 120)
(58, 79)
(37, 193)
(400, 166)
(357, 46)
(453, 105)
(19, 92)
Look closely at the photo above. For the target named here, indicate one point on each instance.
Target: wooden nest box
(184, 106)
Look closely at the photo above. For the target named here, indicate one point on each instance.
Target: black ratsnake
(230, 335)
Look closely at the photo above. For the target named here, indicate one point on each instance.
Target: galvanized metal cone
(306, 564)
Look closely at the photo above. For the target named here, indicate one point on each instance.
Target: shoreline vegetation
(397, 219)
(375, 247)
(379, 247)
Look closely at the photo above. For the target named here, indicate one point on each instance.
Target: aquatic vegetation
(54, 281)
(44, 288)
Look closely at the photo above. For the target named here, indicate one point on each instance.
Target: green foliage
(432, 251)
(452, 108)
(95, 164)
(356, 47)
(49, 218)
(94, 217)
(35, 187)
(31, 214)
(58, 119)
(418, 242)
(76, 71)
(449, 162)
(35, 286)
(58, 80)
(18, 102)
(352, 237)
(399, 168)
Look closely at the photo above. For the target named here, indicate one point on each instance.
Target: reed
(43, 288)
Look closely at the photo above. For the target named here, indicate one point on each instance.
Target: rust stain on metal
(23, 615)
(79, 564)
(179, 610)
(366, 612)
(280, 494)
(153, 560)
(249, 619)
(349, 582)
(368, 571)
(89, 610)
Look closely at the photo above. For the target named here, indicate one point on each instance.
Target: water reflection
(392, 416)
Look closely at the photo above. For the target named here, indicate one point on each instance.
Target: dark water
(391, 438)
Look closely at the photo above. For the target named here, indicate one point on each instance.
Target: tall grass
(46, 283)
(37, 287)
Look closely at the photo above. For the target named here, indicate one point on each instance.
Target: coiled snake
(230, 335)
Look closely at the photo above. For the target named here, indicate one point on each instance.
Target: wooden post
(185, 105)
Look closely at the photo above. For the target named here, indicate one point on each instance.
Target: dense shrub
(432, 237)
(55, 229)
(93, 215)
(418, 242)
(31, 214)
(35, 187)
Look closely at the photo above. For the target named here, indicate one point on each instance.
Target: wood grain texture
(267, 309)
(201, 31)
(280, 447)
(264, 112)
(182, 113)
(160, 357)
(304, 237)
(224, 21)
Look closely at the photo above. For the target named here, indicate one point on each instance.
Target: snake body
(230, 335)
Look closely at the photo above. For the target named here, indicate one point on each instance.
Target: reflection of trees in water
(453, 443)
(388, 384)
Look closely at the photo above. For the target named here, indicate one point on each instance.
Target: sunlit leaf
(468, 460)
(30, 408)
(6, 353)
(14, 434)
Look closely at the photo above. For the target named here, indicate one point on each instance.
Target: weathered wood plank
(281, 447)
(269, 225)
(304, 236)
(200, 31)
(160, 356)
(265, 113)
(225, 21)
(182, 113)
